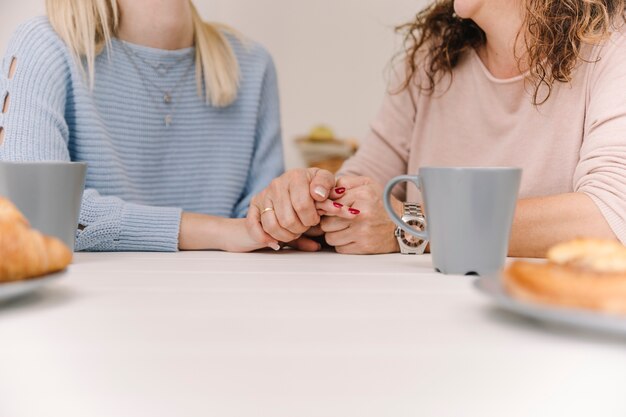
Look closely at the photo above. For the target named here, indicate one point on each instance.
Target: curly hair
(553, 30)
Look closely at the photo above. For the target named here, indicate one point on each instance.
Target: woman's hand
(285, 210)
(355, 220)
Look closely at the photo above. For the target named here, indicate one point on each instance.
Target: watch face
(410, 240)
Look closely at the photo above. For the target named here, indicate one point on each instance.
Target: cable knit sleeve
(35, 129)
(267, 162)
(601, 172)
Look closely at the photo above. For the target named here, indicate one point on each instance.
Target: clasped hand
(307, 203)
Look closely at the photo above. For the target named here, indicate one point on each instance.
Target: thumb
(255, 230)
(322, 183)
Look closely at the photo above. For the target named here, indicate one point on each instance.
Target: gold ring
(266, 210)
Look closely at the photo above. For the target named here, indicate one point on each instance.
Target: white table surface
(290, 334)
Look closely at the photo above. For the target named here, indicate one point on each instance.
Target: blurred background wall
(331, 55)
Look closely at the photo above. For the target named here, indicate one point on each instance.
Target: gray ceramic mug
(49, 194)
(469, 213)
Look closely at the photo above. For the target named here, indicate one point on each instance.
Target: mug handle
(397, 220)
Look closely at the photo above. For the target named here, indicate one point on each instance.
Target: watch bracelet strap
(412, 209)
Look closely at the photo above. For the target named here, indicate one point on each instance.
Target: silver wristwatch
(413, 216)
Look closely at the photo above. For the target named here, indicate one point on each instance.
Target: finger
(303, 204)
(341, 238)
(349, 249)
(287, 217)
(253, 224)
(315, 231)
(272, 227)
(322, 182)
(334, 224)
(335, 208)
(279, 199)
(349, 197)
(346, 183)
(305, 244)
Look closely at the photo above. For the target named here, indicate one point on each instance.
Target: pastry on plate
(24, 252)
(585, 273)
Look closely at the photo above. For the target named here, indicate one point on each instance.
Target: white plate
(492, 287)
(12, 290)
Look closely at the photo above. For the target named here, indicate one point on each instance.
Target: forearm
(201, 232)
(543, 222)
(204, 232)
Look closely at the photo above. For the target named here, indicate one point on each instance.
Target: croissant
(585, 273)
(24, 252)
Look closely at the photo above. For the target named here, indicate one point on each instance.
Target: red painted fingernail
(354, 211)
(338, 205)
(340, 190)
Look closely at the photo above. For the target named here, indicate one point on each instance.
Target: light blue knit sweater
(141, 174)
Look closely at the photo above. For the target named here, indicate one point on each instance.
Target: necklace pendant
(168, 120)
(167, 98)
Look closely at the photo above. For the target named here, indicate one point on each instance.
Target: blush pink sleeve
(601, 171)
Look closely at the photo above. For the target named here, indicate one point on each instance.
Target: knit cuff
(149, 229)
(616, 222)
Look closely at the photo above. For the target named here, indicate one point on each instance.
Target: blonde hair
(87, 27)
